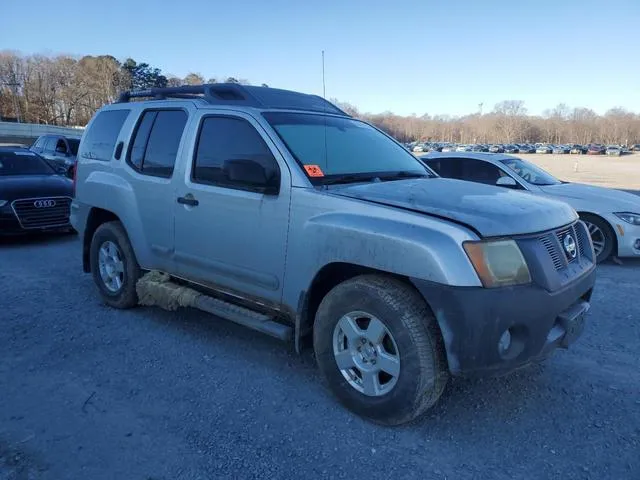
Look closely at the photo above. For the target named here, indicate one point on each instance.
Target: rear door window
(156, 142)
(100, 140)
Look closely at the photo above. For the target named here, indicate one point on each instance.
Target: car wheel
(379, 349)
(114, 266)
(602, 236)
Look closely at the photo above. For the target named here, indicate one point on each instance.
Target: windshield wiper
(402, 175)
(348, 178)
(371, 177)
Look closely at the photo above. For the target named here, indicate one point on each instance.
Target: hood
(491, 211)
(603, 199)
(31, 186)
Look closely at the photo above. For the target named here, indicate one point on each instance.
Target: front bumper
(473, 320)
(10, 226)
(627, 236)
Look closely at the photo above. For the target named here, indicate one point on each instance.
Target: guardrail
(26, 133)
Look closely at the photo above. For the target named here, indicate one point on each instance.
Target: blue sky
(405, 56)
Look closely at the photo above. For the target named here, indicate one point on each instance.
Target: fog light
(637, 244)
(505, 342)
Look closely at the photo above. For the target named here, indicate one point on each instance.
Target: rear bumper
(473, 320)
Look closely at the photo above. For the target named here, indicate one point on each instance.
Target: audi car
(34, 196)
(612, 216)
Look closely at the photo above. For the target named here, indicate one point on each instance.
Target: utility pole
(324, 91)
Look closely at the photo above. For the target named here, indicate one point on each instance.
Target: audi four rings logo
(570, 246)
(44, 203)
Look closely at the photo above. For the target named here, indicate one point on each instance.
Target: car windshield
(330, 147)
(530, 173)
(73, 145)
(23, 163)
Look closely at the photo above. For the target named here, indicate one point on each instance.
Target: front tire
(379, 349)
(602, 236)
(114, 266)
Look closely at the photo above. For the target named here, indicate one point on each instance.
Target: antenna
(324, 91)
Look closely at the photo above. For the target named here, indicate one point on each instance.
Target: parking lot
(90, 392)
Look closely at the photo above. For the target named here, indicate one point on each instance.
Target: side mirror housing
(252, 175)
(506, 182)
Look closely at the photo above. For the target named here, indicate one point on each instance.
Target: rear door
(235, 237)
(151, 156)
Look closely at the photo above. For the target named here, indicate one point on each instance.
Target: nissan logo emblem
(570, 246)
(44, 203)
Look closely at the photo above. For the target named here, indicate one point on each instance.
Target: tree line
(65, 90)
(510, 123)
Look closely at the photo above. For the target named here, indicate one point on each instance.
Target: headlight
(632, 218)
(498, 263)
(3, 203)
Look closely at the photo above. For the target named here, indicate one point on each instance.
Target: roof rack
(236, 94)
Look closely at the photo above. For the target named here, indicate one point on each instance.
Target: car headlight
(3, 203)
(632, 218)
(498, 263)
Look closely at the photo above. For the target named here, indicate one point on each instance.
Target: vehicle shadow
(474, 400)
(35, 239)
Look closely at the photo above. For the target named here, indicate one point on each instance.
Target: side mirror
(506, 182)
(253, 175)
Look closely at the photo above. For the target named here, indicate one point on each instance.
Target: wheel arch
(97, 216)
(329, 276)
(612, 230)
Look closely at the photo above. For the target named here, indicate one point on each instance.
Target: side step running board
(244, 316)
(156, 289)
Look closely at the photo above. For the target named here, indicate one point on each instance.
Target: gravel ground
(87, 392)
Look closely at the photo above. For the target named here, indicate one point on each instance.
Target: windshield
(73, 145)
(530, 173)
(23, 163)
(328, 146)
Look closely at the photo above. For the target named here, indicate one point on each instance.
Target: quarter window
(100, 140)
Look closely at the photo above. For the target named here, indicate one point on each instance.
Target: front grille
(550, 246)
(554, 245)
(44, 212)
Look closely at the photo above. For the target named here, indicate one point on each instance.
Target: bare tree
(193, 79)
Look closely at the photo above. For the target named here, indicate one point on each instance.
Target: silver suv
(277, 210)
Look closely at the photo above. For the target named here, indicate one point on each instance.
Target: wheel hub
(366, 353)
(111, 266)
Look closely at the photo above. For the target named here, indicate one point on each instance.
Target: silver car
(278, 211)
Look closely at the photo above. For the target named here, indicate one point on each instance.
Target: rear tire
(392, 311)
(602, 236)
(114, 266)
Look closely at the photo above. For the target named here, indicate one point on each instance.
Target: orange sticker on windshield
(314, 171)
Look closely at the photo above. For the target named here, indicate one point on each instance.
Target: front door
(226, 233)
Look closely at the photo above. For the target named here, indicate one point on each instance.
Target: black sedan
(33, 196)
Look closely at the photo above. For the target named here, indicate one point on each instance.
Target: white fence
(26, 133)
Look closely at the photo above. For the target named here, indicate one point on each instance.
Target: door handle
(188, 200)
